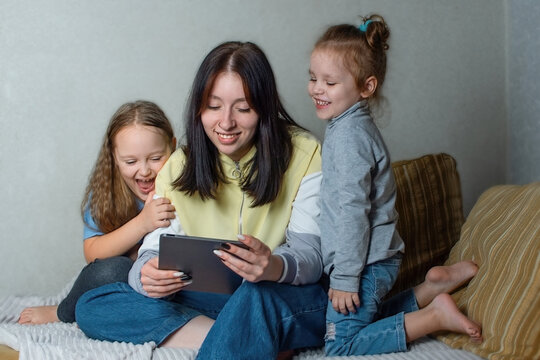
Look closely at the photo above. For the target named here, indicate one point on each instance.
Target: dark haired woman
(246, 171)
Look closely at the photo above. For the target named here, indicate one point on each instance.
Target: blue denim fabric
(97, 273)
(376, 327)
(256, 322)
(263, 318)
(116, 312)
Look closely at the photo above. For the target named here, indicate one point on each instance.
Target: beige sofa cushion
(430, 212)
(502, 235)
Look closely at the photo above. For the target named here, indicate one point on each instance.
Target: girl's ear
(370, 85)
(173, 144)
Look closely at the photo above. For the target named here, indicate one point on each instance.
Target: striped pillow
(502, 235)
(430, 212)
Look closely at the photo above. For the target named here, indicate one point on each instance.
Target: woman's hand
(159, 283)
(344, 301)
(254, 264)
(156, 213)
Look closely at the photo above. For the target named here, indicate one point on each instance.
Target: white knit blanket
(66, 341)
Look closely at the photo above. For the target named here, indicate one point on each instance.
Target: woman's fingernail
(178, 274)
(241, 237)
(218, 253)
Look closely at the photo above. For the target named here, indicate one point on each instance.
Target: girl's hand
(156, 213)
(159, 283)
(254, 264)
(344, 301)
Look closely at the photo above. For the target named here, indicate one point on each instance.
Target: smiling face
(140, 152)
(331, 86)
(228, 119)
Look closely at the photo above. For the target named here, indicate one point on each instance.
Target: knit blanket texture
(66, 341)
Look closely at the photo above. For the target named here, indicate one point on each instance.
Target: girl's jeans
(255, 322)
(99, 272)
(376, 327)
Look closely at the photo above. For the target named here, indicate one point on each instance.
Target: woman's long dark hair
(202, 172)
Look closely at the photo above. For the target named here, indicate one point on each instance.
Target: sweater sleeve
(301, 253)
(134, 276)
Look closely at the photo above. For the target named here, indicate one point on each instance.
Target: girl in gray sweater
(361, 247)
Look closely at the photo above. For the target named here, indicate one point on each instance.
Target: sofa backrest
(430, 208)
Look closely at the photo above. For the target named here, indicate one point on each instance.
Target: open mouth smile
(321, 103)
(227, 137)
(145, 185)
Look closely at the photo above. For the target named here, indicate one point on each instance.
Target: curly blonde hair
(111, 202)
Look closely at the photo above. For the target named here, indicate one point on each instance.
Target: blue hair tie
(363, 27)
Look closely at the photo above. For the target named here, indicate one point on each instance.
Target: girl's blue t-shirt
(90, 227)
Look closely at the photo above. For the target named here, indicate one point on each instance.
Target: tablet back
(194, 256)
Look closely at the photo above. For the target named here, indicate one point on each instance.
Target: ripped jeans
(377, 327)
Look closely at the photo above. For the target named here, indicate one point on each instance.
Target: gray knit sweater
(358, 193)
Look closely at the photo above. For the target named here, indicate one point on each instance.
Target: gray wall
(66, 66)
(523, 86)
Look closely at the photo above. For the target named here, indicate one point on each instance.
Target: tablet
(194, 256)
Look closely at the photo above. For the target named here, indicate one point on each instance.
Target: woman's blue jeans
(256, 322)
(97, 273)
(376, 327)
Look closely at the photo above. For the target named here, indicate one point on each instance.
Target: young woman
(246, 168)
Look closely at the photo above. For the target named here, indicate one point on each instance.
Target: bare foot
(39, 315)
(450, 318)
(444, 279)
